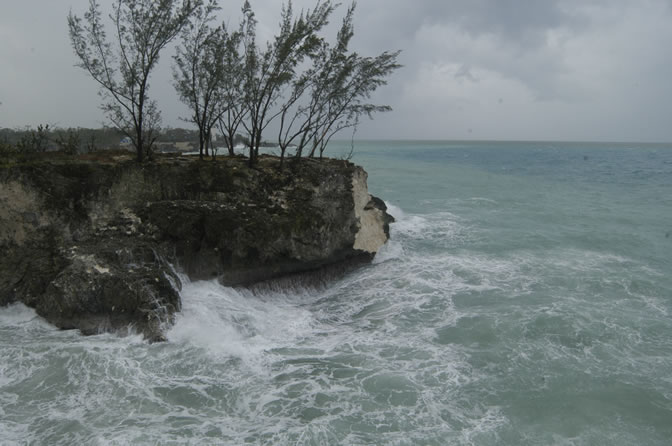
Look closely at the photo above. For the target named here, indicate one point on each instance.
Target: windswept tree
(343, 86)
(296, 118)
(199, 71)
(346, 101)
(269, 71)
(232, 95)
(123, 65)
(332, 94)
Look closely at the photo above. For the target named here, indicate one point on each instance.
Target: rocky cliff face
(92, 244)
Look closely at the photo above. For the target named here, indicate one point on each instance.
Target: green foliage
(268, 71)
(314, 88)
(199, 71)
(31, 142)
(231, 93)
(331, 95)
(35, 141)
(122, 65)
(68, 141)
(28, 145)
(178, 135)
(7, 152)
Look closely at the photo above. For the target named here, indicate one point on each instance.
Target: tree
(295, 119)
(199, 71)
(267, 72)
(232, 93)
(337, 86)
(35, 141)
(343, 83)
(68, 141)
(141, 29)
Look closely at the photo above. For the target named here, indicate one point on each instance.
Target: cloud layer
(480, 69)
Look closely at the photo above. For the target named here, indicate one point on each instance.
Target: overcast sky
(473, 69)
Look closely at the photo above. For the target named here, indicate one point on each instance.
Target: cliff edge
(91, 244)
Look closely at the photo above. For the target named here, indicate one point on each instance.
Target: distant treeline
(45, 138)
(74, 140)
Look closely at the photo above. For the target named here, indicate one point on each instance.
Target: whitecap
(395, 211)
(17, 314)
(392, 250)
(228, 322)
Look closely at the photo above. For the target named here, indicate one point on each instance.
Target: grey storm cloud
(513, 19)
(487, 69)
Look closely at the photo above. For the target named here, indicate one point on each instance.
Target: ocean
(525, 298)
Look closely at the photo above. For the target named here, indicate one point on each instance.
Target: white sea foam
(441, 228)
(389, 251)
(395, 211)
(230, 322)
(304, 340)
(436, 342)
(17, 315)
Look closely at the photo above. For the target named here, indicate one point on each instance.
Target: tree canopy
(122, 64)
(298, 84)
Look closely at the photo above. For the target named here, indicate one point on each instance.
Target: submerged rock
(90, 244)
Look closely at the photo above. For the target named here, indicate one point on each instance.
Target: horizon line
(425, 140)
(536, 141)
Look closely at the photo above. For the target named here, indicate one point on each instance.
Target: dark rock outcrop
(90, 244)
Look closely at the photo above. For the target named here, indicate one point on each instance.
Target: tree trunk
(229, 144)
(257, 143)
(282, 157)
(212, 147)
(139, 146)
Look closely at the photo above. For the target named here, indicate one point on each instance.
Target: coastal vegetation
(298, 83)
(123, 64)
(51, 140)
(28, 143)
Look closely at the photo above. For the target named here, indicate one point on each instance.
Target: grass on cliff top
(265, 163)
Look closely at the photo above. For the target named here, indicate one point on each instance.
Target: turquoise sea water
(525, 299)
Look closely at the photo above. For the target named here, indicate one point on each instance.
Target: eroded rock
(90, 244)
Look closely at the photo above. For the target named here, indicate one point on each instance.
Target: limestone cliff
(92, 244)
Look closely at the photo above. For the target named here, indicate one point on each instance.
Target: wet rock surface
(92, 244)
